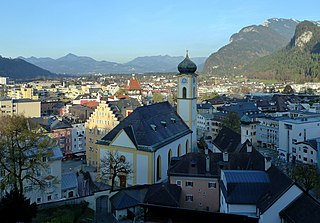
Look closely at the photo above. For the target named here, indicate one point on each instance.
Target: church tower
(187, 97)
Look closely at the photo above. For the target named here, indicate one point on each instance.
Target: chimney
(207, 163)
(267, 163)
(249, 147)
(225, 157)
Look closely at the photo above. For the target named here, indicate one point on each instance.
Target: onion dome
(187, 66)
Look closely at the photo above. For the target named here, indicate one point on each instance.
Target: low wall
(91, 199)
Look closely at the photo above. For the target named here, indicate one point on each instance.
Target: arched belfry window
(184, 92)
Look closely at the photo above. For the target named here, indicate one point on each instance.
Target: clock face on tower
(184, 80)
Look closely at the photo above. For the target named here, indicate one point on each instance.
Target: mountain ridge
(20, 70)
(250, 43)
(299, 60)
(73, 64)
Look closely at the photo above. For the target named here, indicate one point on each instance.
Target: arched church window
(187, 146)
(158, 168)
(179, 150)
(169, 156)
(184, 92)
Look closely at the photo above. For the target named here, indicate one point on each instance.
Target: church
(151, 135)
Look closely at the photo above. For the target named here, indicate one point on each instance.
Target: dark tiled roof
(152, 126)
(279, 184)
(239, 160)
(129, 197)
(244, 187)
(198, 166)
(57, 124)
(310, 142)
(164, 195)
(241, 108)
(69, 181)
(120, 107)
(227, 140)
(204, 106)
(280, 101)
(83, 96)
(303, 209)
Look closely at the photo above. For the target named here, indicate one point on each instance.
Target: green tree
(157, 97)
(14, 207)
(232, 121)
(210, 95)
(22, 147)
(202, 144)
(288, 90)
(114, 165)
(310, 91)
(306, 175)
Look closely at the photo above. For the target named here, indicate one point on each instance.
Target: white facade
(141, 162)
(178, 148)
(207, 126)
(268, 132)
(272, 213)
(187, 103)
(52, 190)
(78, 138)
(304, 153)
(296, 130)
(4, 80)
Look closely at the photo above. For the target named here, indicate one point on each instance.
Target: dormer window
(164, 123)
(173, 120)
(154, 127)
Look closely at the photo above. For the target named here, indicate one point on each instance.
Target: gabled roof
(69, 181)
(279, 184)
(241, 108)
(152, 127)
(129, 197)
(227, 140)
(194, 164)
(303, 209)
(310, 142)
(239, 160)
(164, 195)
(57, 124)
(244, 186)
(133, 84)
(91, 104)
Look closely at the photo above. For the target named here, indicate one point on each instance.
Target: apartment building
(296, 130)
(27, 107)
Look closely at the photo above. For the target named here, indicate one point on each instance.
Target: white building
(268, 132)
(4, 80)
(78, 138)
(51, 175)
(295, 130)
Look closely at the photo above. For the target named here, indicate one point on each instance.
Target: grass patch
(65, 214)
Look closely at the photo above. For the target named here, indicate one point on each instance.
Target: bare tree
(114, 165)
(22, 150)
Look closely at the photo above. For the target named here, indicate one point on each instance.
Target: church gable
(123, 140)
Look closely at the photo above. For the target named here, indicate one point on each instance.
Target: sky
(121, 30)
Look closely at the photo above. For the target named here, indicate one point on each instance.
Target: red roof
(133, 84)
(119, 96)
(91, 104)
